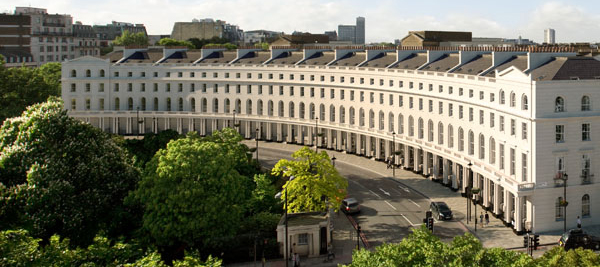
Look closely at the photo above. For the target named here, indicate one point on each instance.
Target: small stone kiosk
(308, 234)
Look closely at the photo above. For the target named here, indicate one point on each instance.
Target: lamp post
(333, 161)
(468, 189)
(235, 125)
(278, 195)
(137, 115)
(475, 191)
(564, 203)
(357, 236)
(256, 138)
(393, 154)
(317, 134)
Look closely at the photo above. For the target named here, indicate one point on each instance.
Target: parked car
(577, 238)
(350, 206)
(440, 210)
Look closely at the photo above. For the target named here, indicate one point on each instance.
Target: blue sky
(386, 20)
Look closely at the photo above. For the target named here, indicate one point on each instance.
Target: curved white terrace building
(522, 118)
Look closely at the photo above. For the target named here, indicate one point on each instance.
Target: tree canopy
(316, 180)
(199, 43)
(128, 38)
(22, 87)
(61, 176)
(191, 191)
(173, 42)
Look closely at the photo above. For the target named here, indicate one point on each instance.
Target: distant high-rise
(549, 36)
(360, 30)
(353, 33)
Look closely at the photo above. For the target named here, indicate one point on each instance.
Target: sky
(386, 20)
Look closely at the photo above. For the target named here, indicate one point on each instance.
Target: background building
(353, 33)
(332, 35)
(107, 33)
(434, 38)
(549, 36)
(260, 36)
(301, 39)
(206, 29)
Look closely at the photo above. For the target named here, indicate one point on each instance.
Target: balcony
(586, 177)
(559, 179)
(526, 186)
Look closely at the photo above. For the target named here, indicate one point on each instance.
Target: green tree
(316, 181)
(557, 256)
(192, 194)
(263, 196)
(130, 39)
(173, 42)
(263, 46)
(228, 46)
(214, 40)
(68, 177)
(22, 87)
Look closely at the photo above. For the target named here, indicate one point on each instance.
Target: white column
(329, 139)
(497, 207)
(279, 130)
(426, 166)
(290, 134)
(416, 159)
(310, 132)
(377, 148)
(179, 126)
(387, 149)
(519, 213)
(486, 192)
(300, 135)
(507, 206)
(269, 131)
(406, 155)
(368, 148)
(339, 141)
(359, 144)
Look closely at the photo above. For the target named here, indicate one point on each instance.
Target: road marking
(404, 188)
(411, 224)
(391, 206)
(387, 193)
(374, 193)
(414, 202)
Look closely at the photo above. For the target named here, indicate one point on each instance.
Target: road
(389, 209)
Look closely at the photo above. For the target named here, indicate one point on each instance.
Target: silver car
(350, 206)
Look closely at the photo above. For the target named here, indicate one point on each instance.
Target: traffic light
(430, 224)
(536, 241)
(526, 241)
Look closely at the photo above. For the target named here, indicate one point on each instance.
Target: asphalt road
(389, 209)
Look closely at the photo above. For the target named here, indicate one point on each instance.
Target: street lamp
(393, 154)
(137, 114)
(317, 134)
(468, 189)
(278, 195)
(333, 161)
(475, 191)
(564, 202)
(357, 236)
(235, 125)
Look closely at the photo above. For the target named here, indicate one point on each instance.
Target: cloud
(572, 23)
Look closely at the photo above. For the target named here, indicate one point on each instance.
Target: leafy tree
(227, 46)
(316, 181)
(173, 42)
(557, 256)
(22, 87)
(263, 196)
(144, 149)
(127, 38)
(68, 177)
(214, 40)
(263, 46)
(192, 194)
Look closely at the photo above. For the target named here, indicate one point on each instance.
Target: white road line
(374, 193)
(391, 206)
(411, 224)
(404, 188)
(414, 202)
(385, 192)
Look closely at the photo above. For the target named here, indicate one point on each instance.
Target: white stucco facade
(505, 124)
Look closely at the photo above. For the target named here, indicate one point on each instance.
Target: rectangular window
(560, 133)
(238, 75)
(215, 75)
(492, 98)
(502, 123)
(372, 97)
(168, 74)
(512, 161)
(216, 88)
(481, 93)
(281, 76)
(227, 75)
(400, 101)
(524, 167)
(301, 91)
(130, 74)
(362, 96)
(401, 84)
(371, 81)
(585, 132)
(270, 89)
(248, 89)
(322, 78)
(291, 76)
(280, 90)
(155, 87)
(492, 119)
(312, 77)
(420, 103)
(238, 89)
(410, 102)
(430, 105)
(322, 92)
(450, 110)
(450, 89)
(101, 89)
(470, 93)
(501, 148)
(73, 88)
(116, 87)
(180, 87)
(331, 93)
(332, 79)
(481, 117)
(524, 130)
(116, 74)
(351, 79)
(352, 95)
(203, 88)
(391, 99)
(192, 87)
(129, 87)
(192, 74)
(460, 91)
(260, 76)
(441, 89)
(302, 77)
(430, 87)
(460, 111)
(381, 99)
(441, 107)
(513, 127)
(470, 114)
(168, 87)
(143, 88)
(291, 91)
(180, 74)
(302, 239)
(101, 103)
(362, 80)
(249, 75)
(342, 96)
(312, 92)
(156, 74)
(260, 89)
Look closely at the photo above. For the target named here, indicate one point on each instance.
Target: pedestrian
(578, 222)
(297, 260)
(487, 219)
(481, 220)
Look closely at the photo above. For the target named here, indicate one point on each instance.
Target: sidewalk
(493, 235)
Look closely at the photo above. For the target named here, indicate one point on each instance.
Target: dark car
(440, 210)
(577, 238)
(350, 206)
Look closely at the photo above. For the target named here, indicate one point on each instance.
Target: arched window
(431, 130)
(215, 105)
(342, 114)
(513, 100)
(371, 119)
(73, 104)
(440, 133)
(180, 104)
(88, 73)
(270, 108)
(101, 73)
(481, 146)
(238, 106)
(421, 130)
(73, 73)
(461, 139)
(450, 136)
(391, 122)
(351, 118)
(227, 105)
(302, 110)
(291, 110)
(492, 151)
(400, 124)
(559, 211)
(502, 99)
(259, 107)
(143, 102)
(117, 103)
(585, 103)
(168, 104)
(280, 109)
(559, 104)
(249, 107)
(321, 112)
(381, 120)
(585, 205)
(471, 143)
(411, 126)
(524, 102)
(156, 104)
(204, 107)
(193, 104)
(361, 117)
(331, 113)
(312, 111)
